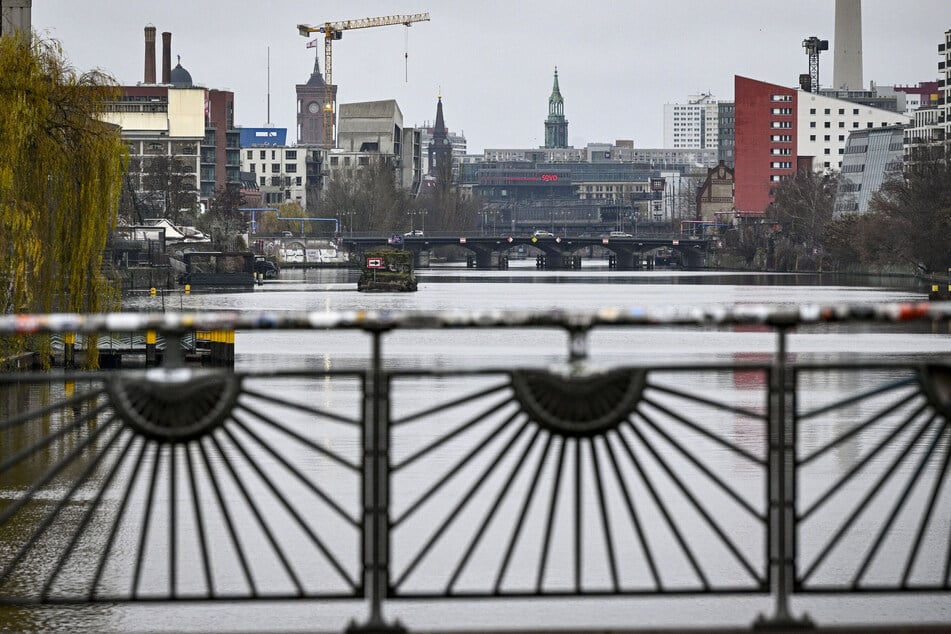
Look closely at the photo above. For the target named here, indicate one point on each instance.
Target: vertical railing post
(781, 487)
(376, 494)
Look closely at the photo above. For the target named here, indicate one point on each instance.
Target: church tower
(556, 127)
(440, 148)
(311, 99)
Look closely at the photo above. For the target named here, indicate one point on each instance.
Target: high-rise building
(556, 126)
(694, 124)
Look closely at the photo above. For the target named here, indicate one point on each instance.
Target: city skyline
(493, 62)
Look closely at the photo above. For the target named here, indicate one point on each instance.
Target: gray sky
(619, 61)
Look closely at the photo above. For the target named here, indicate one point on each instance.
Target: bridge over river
(491, 251)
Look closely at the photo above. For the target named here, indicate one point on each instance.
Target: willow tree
(60, 178)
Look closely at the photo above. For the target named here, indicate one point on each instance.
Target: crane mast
(334, 31)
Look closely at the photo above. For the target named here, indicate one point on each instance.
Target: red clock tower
(311, 98)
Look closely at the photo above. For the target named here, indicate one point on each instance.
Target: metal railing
(389, 480)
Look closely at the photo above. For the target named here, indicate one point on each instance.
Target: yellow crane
(334, 31)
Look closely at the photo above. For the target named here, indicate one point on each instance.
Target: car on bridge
(619, 234)
(415, 233)
(543, 234)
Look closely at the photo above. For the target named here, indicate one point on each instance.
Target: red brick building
(766, 146)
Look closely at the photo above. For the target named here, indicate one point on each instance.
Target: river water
(522, 287)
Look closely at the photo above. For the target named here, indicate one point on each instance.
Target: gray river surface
(522, 287)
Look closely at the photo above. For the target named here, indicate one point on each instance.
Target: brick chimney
(150, 54)
(166, 57)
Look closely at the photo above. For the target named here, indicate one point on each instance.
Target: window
(841, 110)
(855, 124)
(812, 137)
(263, 181)
(827, 138)
(299, 181)
(842, 137)
(263, 155)
(250, 154)
(871, 125)
(841, 124)
(287, 181)
(333, 160)
(827, 124)
(364, 160)
(812, 111)
(826, 164)
(290, 168)
(841, 151)
(781, 124)
(782, 110)
(827, 151)
(275, 168)
(290, 154)
(812, 124)
(273, 154)
(781, 98)
(855, 110)
(827, 111)
(252, 168)
(346, 160)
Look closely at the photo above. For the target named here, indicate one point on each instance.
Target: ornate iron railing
(394, 480)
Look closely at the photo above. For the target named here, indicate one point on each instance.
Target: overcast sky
(619, 61)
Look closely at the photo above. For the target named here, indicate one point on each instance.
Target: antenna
(269, 85)
(406, 53)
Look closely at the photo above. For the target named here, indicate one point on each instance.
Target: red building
(766, 147)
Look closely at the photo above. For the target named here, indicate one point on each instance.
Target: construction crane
(813, 46)
(334, 31)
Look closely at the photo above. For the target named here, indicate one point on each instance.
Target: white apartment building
(824, 125)
(280, 172)
(693, 124)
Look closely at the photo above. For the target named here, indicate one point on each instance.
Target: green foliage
(60, 179)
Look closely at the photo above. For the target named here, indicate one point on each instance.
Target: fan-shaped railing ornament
(936, 383)
(176, 405)
(573, 404)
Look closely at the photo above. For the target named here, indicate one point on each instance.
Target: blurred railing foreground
(385, 476)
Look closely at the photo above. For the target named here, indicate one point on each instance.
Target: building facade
(175, 126)
(824, 124)
(872, 156)
(694, 124)
(780, 130)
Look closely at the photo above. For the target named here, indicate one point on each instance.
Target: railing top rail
(716, 315)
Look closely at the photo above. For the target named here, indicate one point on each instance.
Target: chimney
(150, 54)
(166, 57)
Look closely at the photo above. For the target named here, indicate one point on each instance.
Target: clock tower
(311, 98)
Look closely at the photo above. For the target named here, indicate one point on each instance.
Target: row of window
(289, 168)
(277, 181)
(827, 137)
(262, 154)
(855, 124)
(781, 138)
(781, 98)
(782, 111)
(855, 111)
(362, 160)
(781, 165)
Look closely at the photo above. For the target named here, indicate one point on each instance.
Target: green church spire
(556, 126)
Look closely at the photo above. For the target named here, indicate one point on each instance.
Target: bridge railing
(370, 466)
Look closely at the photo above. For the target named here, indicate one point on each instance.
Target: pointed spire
(555, 91)
(440, 128)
